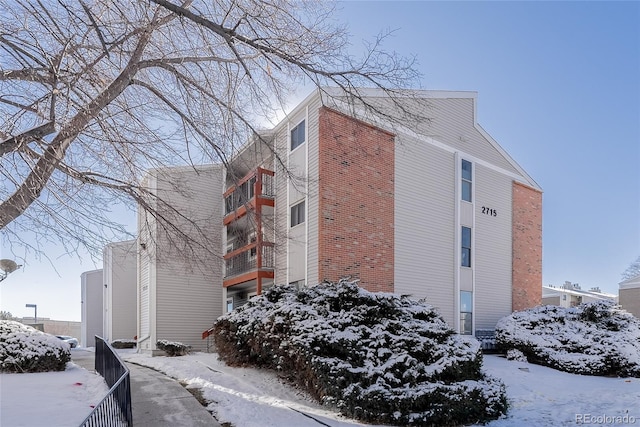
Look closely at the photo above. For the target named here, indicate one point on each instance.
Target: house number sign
(489, 211)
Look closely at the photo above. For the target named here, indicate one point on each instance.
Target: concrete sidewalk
(156, 399)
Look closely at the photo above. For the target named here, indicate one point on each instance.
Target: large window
(297, 136)
(466, 312)
(466, 180)
(297, 214)
(465, 256)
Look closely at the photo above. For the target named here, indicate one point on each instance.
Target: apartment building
(571, 295)
(629, 292)
(120, 284)
(91, 307)
(179, 277)
(431, 208)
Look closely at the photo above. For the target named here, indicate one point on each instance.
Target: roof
(577, 292)
(631, 283)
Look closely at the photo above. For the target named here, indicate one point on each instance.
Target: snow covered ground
(538, 396)
(49, 399)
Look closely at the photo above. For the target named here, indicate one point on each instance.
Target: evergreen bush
(378, 357)
(596, 338)
(25, 349)
(172, 348)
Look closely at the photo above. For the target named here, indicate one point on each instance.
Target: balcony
(253, 261)
(254, 190)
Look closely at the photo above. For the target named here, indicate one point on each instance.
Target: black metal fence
(115, 408)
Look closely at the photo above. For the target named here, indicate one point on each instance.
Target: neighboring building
(120, 291)
(435, 209)
(571, 295)
(56, 327)
(91, 312)
(179, 283)
(629, 295)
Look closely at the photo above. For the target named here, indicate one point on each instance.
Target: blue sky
(558, 87)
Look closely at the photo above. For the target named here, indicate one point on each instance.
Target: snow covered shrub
(173, 348)
(122, 343)
(594, 338)
(516, 355)
(377, 357)
(26, 349)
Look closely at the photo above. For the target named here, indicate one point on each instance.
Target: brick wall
(527, 247)
(356, 201)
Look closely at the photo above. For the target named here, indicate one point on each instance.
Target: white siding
(424, 224)
(120, 275)
(453, 123)
(146, 265)
(91, 311)
(188, 292)
(281, 141)
(492, 247)
(313, 193)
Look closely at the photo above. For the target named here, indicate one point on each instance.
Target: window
(297, 214)
(466, 312)
(465, 257)
(299, 284)
(229, 304)
(297, 136)
(466, 180)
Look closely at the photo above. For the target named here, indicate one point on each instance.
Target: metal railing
(247, 260)
(259, 182)
(115, 408)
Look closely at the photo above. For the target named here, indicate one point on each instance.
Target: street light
(35, 312)
(7, 266)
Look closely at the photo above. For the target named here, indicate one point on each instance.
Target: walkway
(156, 399)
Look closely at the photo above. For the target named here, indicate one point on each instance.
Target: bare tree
(6, 315)
(632, 271)
(95, 92)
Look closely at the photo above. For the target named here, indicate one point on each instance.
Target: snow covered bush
(377, 357)
(516, 355)
(173, 348)
(124, 343)
(26, 349)
(595, 338)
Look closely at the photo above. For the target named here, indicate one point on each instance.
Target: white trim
(306, 198)
(457, 239)
(288, 208)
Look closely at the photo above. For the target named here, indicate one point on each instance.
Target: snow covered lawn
(246, 397)
(538, 396)
(62, 398)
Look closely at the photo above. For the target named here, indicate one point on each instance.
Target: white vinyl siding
(492, 246)
(281, 141)
(185, 288)
(425, 225)
(120, 274)
(297, 193)
(313, 192)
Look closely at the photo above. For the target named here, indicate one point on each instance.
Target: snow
(250, 397)
(596, 337)
(62, 398)
(543, 396)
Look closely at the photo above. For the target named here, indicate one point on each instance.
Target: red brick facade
(527, 247)
(356, 201)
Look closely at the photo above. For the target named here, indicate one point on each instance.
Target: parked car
(73, 343)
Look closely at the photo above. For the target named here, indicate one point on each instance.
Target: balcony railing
(246, 259)
(259, 182)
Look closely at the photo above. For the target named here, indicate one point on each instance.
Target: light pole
(35, 312)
